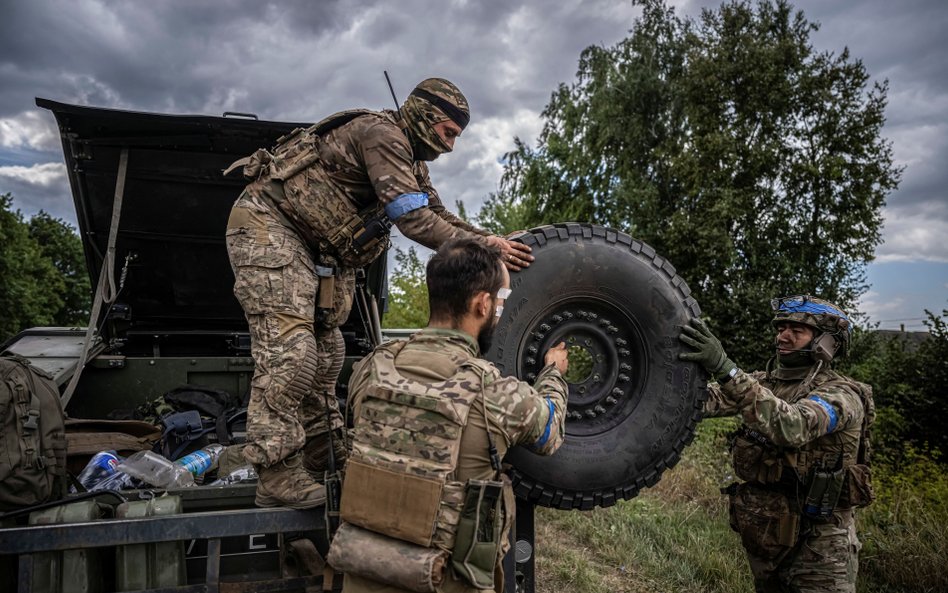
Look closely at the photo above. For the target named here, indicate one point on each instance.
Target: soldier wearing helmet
(319, 205)
(802, 452)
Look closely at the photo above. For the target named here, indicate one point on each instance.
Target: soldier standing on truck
(319, 205)
(802, 450)
(425, 505)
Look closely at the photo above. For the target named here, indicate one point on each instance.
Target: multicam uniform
(517, 413)
(793, 424)
(280, 235)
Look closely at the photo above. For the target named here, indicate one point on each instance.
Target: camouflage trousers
(297, 359)
(789, 552)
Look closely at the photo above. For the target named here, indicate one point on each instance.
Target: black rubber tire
(631, 417)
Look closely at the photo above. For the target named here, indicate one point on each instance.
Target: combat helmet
(434, 100)
(833, 327)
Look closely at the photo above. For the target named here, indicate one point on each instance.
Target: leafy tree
(30, 285)
(60, 244)
(753, 162)
(909, 380)
(408, 293)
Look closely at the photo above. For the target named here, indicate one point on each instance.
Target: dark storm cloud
(303, 59)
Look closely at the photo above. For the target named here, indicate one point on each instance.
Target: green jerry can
(69, 571)
(149, 566)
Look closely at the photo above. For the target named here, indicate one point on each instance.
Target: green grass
(675, 536)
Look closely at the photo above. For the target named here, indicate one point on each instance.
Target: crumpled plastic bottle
(153, 469)
(245, 473)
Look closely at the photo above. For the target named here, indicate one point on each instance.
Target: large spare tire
(633, 406)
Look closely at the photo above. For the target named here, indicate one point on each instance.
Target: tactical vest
(312, 203)
(401, 475)
(757, 459)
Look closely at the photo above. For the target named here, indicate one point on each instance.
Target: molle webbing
(408, 437)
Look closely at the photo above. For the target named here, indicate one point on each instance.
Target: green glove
(709, 352)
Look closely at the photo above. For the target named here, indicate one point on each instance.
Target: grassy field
(675, 537)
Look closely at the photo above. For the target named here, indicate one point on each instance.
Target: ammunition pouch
(362, 237)
(755, 459)
(480, 533)
(383, 559)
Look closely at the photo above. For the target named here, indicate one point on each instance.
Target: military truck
(151, 204)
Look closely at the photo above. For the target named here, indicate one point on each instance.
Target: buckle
(31, 420)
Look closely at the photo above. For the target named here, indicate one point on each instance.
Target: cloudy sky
(301, 60)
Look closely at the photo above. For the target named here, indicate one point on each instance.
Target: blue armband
(549, 427)
(404, 204)
(830, 410)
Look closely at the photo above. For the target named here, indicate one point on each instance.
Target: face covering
(420, 116)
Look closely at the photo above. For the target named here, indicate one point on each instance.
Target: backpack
(32, 435)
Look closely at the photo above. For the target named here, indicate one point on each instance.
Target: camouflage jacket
(789, 425)
(363, 162)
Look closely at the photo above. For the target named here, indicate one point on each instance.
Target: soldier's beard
(485, 337)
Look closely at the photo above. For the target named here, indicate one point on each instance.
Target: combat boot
(287, 484)
(316, 453)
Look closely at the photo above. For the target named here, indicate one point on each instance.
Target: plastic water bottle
(101, 466)
(202, 460)
(154, 469)
(241, 474)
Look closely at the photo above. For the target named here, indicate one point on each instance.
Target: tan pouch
(396, 504)
(768, 525)
(858, 491)
(395, 563)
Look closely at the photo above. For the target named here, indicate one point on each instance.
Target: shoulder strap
(485, 369)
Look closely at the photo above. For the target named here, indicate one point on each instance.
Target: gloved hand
(709, 352)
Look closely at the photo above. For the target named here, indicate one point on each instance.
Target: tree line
(43, 278)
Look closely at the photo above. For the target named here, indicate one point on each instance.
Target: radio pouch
(479, 535)
(823, 494)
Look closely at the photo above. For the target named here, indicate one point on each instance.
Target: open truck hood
(174, 212)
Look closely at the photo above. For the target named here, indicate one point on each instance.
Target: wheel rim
(608, 386)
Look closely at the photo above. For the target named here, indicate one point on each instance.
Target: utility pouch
(823, 493)
(257, 163)
(858, 490)
(399, 505)
(478, 541)
(396, 563)
(768, 525)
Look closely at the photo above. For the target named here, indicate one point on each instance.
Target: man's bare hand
(515, 256)
(558, 355)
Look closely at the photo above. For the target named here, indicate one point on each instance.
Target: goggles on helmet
(805, 304)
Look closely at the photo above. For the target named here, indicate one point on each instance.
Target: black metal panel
(41, 538)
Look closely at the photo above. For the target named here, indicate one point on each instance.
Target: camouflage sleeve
(436, 205)
(829, 408)
(356, 387)
(388, 162)
(717, 404)
(533, 416)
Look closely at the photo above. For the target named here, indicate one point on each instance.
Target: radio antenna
(389, 81)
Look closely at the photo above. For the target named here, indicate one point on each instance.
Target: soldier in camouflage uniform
(467, 287)
(318, 206)
(802, 450)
